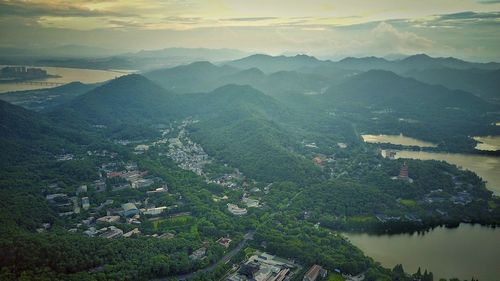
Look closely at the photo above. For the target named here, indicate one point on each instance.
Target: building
(317, 161)
(403, 173)
(249, 270)
(131, 233)
(162, 189)
(198, 254)
(22, 72)
(56, 196)
(390, 154)
(264, 267)
(111, 232)
(314, 272)
(224, 242)
(251, 203)
(235, 210)
(129, 210)
(85, 203)
(142, 147)
(81, 189)
(167, 235)
(139, 183)
(154, 211)
(108, 219)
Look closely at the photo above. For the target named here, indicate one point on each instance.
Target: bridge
(41, 83)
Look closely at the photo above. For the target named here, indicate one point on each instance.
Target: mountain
(365, 63)
(46, 99)
(242, 99)
(379, 89)
(279, 83)
(379, 101)
(128, 106)
(270, 64)
(480, 82)
(414, 62)
(423, 61)
(27, 136)
(195, 77)
(208, 77)
(247, 129)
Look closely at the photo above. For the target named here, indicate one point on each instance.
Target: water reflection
(463, 252)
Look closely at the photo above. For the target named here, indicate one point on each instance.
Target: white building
(235, 210)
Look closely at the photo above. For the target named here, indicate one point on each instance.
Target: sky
(468, 29)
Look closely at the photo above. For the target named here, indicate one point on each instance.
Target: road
(224, 259)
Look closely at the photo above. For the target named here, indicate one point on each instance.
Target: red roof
(313, 272)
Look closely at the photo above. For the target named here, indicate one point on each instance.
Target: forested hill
(47, 99)
(195, 77)
(27, 136)
(383, 102)
(124, 107)
(481, 82)
(383, 89)
(128, 99)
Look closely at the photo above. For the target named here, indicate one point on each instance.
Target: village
(125, 197)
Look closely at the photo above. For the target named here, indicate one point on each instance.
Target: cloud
(488, 1)
(23, 9)
(124, 23)
(183, 20)
(386, 37)
(470, 16)
(250, 19)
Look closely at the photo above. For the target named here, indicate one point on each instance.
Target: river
(463, 252)
(67, 75)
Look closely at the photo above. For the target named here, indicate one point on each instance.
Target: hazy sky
(463, 28)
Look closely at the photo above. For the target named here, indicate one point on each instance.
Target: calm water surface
(67, 75)
(489, 143)
(463, 252)
(397, 139)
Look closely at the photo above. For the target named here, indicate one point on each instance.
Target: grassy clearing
(408, 202)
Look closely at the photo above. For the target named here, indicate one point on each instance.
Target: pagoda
(403, 173)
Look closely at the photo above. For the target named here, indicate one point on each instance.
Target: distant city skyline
(468, 29)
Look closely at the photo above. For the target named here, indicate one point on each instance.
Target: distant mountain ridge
(270, 64)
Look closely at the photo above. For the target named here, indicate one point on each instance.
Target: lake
(67, 75)
(489, 143)
(463, 252)
(397, 139)
(487, 167)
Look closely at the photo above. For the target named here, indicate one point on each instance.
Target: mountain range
(277, 109)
